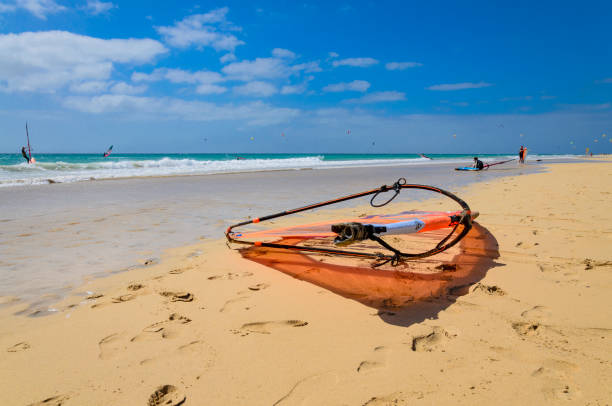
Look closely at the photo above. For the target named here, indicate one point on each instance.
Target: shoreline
(332, 165)
(207, 321)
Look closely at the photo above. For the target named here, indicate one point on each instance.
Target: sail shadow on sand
(408, 293)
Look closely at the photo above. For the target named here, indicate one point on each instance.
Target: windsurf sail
(30, 159)
(357, 232)
(108, 151)
(425, 156)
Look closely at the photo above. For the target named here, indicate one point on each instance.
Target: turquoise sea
(63, 168)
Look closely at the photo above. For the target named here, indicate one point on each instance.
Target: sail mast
(28, 137)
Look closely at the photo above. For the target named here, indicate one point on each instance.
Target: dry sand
(526, 318)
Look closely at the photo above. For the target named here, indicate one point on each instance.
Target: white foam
(65, 172)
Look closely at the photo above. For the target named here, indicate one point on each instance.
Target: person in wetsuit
(478, 163)
(522, 151)
(25, 154)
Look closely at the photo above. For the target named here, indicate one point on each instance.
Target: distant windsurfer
(108, 152)
(522, 153)
(25, 154)
(478, 164)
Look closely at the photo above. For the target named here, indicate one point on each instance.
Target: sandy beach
(523, 317)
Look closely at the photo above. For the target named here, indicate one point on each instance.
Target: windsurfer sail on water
(27, 155)
(108, 152)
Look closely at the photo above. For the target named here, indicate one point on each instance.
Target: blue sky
(265, 76)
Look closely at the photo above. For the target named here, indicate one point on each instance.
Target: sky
(311, 76)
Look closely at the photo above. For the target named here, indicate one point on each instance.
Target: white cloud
(207, 88)
(333, 54)
(605, 80)
(402, 65)
(294, 89)
(268, 68)
(39, 8)
(227, 58)
(93, 86)
(307, 67)
(459, 86)
(283, 53)
(181, 76)
(96, 7)
(256, 88)
(210, 29)
(155, 76)
(46, 61)
(255, 113)
(97, 87)
(379, 97)
(178, 76)
(124, 88)
(355, 85)
(206, 81)
(356, 62)
(264, 68)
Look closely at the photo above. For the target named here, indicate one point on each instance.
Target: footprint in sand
(123, 298)
(135, 286)
(167, 395)
(489, 289)
(162, 329)
(110, 345)
(230, 303)
(242, 296)
(537, 313)
(178, 296)
(393, 399)
(22, 346)
(591, 263)
(259, 286)
(178, 271)
(436, 340)
(230, 276)
(548, 267)
(184, 355)
(379, 360)
(58, 400)
(525, 329)
(266, 327)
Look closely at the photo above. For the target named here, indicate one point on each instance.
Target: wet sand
(525, 316)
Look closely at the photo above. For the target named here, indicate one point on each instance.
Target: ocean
(68, 168)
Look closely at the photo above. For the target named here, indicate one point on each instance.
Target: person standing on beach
(522, 152)
(25, 154)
